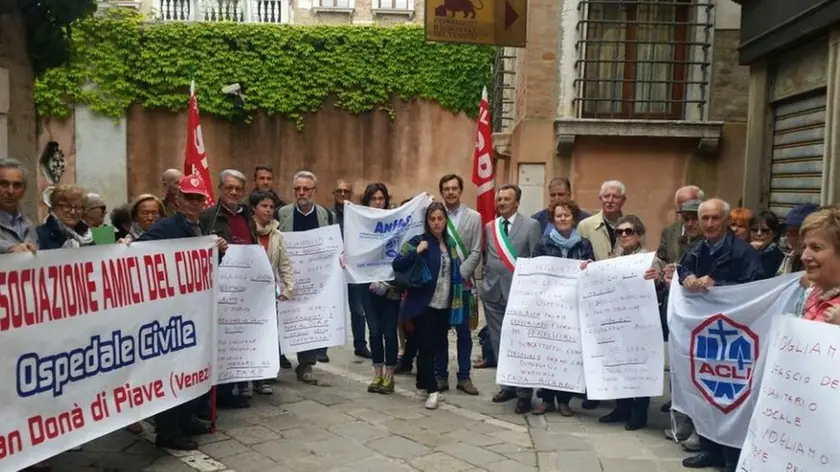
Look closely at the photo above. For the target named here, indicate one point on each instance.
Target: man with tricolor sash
(464, 226)
(509, 236)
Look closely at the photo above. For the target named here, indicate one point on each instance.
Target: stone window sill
(394, 11)
(707, 133)
(347, 11)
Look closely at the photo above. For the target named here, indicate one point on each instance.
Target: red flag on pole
(195, 159)
(484, 172)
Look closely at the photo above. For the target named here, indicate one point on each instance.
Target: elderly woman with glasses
(64, 227)
(764, 236)
(630, 233)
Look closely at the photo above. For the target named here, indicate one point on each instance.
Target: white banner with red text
(718, 347)
(96, 338)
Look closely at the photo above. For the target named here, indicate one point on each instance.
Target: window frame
(628, 100)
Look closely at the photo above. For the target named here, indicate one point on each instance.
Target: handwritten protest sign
(248, 348)
(794, 426)
(623, 355)
(96, 338)
(540, 344)
(315, 318)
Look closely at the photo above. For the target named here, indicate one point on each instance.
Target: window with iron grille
(643, 59)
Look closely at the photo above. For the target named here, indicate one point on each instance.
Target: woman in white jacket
(271, 239)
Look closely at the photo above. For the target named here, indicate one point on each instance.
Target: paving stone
(124, 462)
(398, 447)
(282, 421)
(628, 465)
(513, 437)
(280, 449)
(525, 458)
(470, 436)
(507, 448)
(371, 416)
(359, 431)
(222, 449)
(509, 466)
(80, 458)
(560, 442)
(375, 464)
(472, 454)
(249, 462)
(253, 434)
(438, 462)
(168, 464)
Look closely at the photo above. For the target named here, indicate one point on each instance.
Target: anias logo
(396, 225)
(723, 358)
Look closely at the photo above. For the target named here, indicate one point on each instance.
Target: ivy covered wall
(118, 60)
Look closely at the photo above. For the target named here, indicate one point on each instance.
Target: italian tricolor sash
(503, 246)
(459, 245)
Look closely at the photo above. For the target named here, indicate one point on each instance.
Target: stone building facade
(648, 92)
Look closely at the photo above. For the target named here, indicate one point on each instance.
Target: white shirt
(308, 212)
(455, 215)
(509, 220)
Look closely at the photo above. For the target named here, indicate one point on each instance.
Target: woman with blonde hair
(271, 239)
(145, 211)
(64, 226)
(820, 233)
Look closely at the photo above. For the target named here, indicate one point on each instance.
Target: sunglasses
(625, 232)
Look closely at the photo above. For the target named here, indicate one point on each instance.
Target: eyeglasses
(758, 229)
(338, 191)
(625, 232)
(71, 208)
(302, 189)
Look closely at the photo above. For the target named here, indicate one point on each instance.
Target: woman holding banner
(437, 302)
(562, 241)
(382, 311)
(271, 239)
(630, 233)
(820, 233)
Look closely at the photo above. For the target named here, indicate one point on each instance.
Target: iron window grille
(501, 101)
(643, 59)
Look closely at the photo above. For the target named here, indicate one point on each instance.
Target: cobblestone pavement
(340, 427)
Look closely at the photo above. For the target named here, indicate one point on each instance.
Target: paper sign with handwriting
(794, 425)
(315, 318)
(247, 348)
(621, 334)
(540, 343)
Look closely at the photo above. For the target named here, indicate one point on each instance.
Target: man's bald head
(169, 180)
(689, 192)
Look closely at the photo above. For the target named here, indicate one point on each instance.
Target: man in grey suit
(464, 225)
(509, 236)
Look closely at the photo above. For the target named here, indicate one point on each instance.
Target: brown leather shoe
(467, 387)
(565, 410)
(483, 364)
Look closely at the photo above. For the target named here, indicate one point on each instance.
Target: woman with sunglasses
(764, 235)
(630, 233)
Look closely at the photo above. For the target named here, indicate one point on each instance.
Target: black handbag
(415, 276)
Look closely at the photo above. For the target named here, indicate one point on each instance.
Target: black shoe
(284, 363)
(636, 422)
(178, 443)
(590, 404)
(702, 460)
(666, 408)
(323, 357)
(403, 368)
(195, 428)
(364, 353)
(615, 416)
(504, 395)
(523, 406)
(233, 402)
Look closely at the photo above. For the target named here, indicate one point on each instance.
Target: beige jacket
(279, 258)
(594, 229)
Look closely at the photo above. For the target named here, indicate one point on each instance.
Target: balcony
(243, 11)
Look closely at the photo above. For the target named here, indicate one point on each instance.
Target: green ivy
(119, 60)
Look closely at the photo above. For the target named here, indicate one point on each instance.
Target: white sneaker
(432, 401)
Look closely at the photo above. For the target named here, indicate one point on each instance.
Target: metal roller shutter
(798, 148)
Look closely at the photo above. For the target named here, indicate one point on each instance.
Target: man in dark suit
(509, 236)
(174, 426)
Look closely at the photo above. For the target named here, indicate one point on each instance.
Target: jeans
(551, 396)
(356, 294)
(464, 348)
(382, 315)
(430, 331)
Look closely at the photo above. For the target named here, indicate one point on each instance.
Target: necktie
(506, 227)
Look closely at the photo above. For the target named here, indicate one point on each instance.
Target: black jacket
(214, 221)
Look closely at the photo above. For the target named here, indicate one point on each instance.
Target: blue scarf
(565, 244)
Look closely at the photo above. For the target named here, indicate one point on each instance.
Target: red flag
(484, 172)
(195, 159)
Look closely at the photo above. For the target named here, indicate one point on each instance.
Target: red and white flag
(195, 159)
(484, 172)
